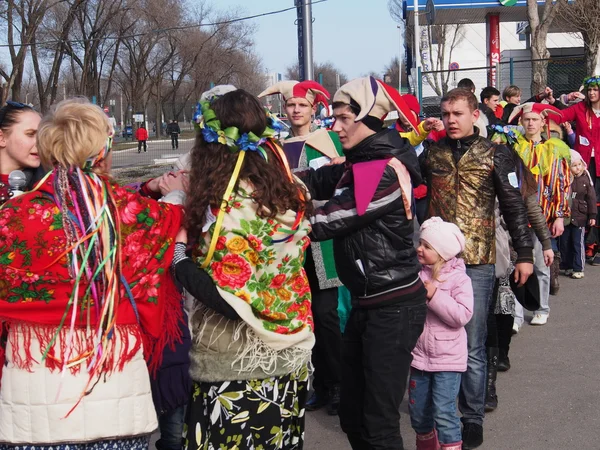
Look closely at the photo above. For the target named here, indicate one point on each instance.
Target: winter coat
(588, 131)
(583, 196)
(141, 134)
(442, 347)
(173, 128)
(374, 252)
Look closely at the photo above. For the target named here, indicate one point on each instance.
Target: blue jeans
(432, 400)
(471, 399)
(170, 426)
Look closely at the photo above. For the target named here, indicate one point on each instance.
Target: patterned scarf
(81, 261)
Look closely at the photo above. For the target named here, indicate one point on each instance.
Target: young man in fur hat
(369, 216)
(465, 174)
(306, 149)
(548, 160)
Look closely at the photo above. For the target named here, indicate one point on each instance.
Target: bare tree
(327, 69)
(437, 45)
(583, 16)
(391, 71)
(539, 32)
(22, 17)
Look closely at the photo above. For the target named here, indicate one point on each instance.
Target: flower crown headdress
(206, 121)
(593, 81)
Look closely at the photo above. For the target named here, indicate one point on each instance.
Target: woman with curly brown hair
(252, 321)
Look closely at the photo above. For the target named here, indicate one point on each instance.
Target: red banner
(493, 28)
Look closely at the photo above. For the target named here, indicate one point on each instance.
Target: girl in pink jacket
(441, 352)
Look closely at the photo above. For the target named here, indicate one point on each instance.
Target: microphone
(17, 180)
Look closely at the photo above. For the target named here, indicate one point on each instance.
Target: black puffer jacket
(374, 253)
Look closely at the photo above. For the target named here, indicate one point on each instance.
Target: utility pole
(305, 39)
(417, 53)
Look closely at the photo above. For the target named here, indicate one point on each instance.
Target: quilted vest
(463, 193)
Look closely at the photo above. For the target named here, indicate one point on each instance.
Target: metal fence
(565, 74)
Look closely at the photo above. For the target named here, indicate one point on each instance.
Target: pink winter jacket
(442, 346)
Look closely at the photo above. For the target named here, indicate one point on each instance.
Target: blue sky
(357, 36)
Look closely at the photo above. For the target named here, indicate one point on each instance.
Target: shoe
(491, 398)
(596, 260)
(539, 319)
(568, 272)
(503, 362)
(427, 441)
(577, 275)
(316, 401)
(515, 329)
(472, 435)
(334, 400)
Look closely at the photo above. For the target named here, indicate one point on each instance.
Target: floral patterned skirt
(248, 414)
(139, 443)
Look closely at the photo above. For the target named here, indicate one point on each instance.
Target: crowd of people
(375, 258)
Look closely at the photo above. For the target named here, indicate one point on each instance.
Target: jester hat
(542, 109)
(309, 90)
(375, 99)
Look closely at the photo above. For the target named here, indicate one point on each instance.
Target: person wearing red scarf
(87, 303)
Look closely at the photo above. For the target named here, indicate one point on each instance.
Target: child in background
(583, 213)
(441, 352)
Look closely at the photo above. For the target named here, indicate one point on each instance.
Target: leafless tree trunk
(539, 32)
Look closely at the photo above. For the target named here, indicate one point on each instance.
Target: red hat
(310, 90)
(412, 103)
(542, 109)
(375, 99)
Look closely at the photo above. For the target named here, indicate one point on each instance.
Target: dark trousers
(170, 426)
(593, 237)
(174, 140)
(504, 326)
(376, 357)
(572, 248)
(327, 352)
(140, 143)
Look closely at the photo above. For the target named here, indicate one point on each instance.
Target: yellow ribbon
(223, 209)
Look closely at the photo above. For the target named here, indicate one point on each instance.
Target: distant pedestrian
(174, 131)
(141, 134)
(440, 355)
(583, 213)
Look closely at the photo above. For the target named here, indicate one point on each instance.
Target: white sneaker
(539, 319)
(577, 275)
(516, 328)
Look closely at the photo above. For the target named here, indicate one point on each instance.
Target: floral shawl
(259, 272)
(35, 283)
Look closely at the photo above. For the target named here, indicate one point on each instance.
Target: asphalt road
(550, 397)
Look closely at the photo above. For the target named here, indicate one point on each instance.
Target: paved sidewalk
(550, 399)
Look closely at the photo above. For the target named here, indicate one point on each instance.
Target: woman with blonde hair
(86, 300)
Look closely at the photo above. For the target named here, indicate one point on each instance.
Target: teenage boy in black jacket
(369, 216)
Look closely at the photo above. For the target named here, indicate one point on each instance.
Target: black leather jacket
(374, 252)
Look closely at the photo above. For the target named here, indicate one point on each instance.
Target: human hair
(10, 115)
(72, 133)
(212, 165)
(510, 91)
(488, 92)
(437, 267)
(460, 94)
(466, 83)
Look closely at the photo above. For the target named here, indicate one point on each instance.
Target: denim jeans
(170, 426)
(543, 275)
(471, 399)
(432, 402)
(572, 248)
(376, 356)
